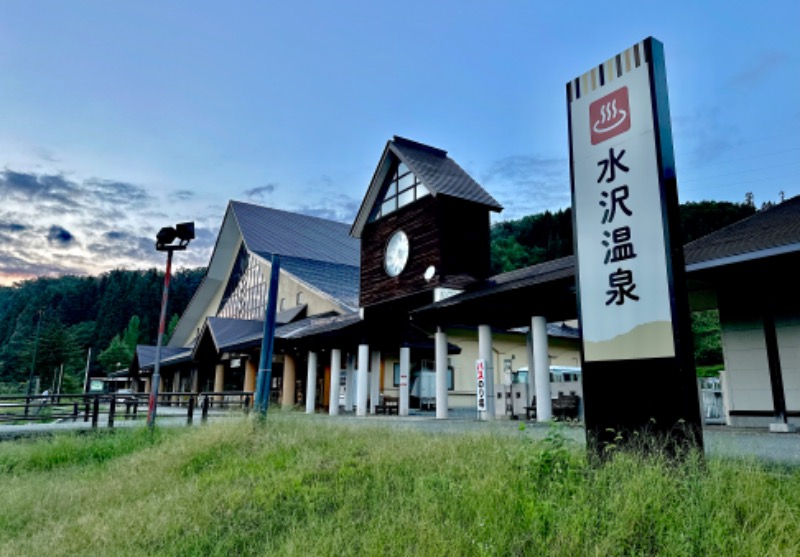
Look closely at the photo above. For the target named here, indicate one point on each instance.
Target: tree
(116, 355)
(173, 323)
(132, 335)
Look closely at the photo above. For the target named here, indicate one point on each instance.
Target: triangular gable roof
(438, 172)
(317, 251)
(268, 231)
(145, 356)
(232, 334)
(767, 233)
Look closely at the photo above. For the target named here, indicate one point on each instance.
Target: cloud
(116, 193)
(528, 184)
(338, 206)
(13, 227)
(20, 267)
(59, 236)
(259, 194)
(754, 72)
(55, 194)
(705, 134)
(104, 223)
(181, 195)
(45, 188)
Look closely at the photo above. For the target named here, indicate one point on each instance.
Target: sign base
(650, 404)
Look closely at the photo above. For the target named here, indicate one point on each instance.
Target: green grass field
(300, 486)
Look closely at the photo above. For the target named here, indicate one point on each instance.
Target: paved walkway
(719, 440)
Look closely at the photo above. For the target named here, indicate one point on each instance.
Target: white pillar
(541, 365)
(311, 383)
(350, 385)
(405, 378)
(441, 375)
(531, 366)
(361, 379)
(485, 354)
(336, 374)
(374, 380)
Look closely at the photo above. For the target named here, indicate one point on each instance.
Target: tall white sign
(619, 222)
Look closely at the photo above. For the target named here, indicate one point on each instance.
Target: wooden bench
(391, 405)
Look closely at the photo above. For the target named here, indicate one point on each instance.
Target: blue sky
(124, 116)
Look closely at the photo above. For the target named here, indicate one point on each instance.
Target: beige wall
(289, 287)
(748, 385)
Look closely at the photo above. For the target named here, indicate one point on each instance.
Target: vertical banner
(480, 375)
(632, 295)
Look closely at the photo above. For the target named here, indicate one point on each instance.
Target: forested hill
(547, 236)
(115, 310)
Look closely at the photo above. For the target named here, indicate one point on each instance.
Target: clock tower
(423, 225)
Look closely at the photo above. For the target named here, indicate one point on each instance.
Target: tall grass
(302, 486)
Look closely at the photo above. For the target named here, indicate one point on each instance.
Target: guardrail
(112, 407)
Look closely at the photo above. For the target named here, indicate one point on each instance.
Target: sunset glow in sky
(121, 117)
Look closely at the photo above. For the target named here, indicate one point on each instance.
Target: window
(403, 188)
(245, 295)
(300, 298)
(282, 305)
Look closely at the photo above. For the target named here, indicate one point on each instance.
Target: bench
(531, 410)
(391, 405)
(566, 407)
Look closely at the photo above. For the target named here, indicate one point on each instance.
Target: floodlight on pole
(183, 232)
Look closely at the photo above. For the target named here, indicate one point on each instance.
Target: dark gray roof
(341, 282)
(317, 251)
(240, 334)
(440, 173)
(146, 355)
(289, 315)
(317, 325)
(233, 334)
(770, 232)
(549, 271)
(269, 231)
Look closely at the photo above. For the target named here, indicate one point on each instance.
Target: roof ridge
(286, 211)
(399, 140)
(758, 214)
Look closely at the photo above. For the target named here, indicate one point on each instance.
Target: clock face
(396, 255)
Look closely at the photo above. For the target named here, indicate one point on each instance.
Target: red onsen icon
(610, 116)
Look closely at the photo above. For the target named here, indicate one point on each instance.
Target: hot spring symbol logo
(610, 116)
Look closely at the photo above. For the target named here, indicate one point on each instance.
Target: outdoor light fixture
(184, 233)
(167, 235)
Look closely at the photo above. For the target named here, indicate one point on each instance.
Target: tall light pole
(184, 233)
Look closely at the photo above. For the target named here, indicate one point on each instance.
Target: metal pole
(86, 377)
(35, 348)
(60, 379)
(152, 408)
(264, 378)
